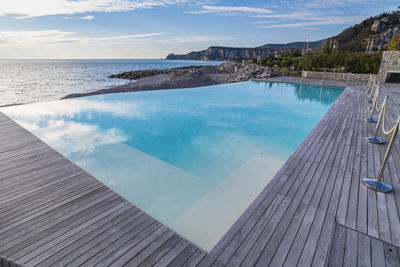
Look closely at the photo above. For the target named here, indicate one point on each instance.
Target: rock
(138, 74)
(246, 72)
(378, 26)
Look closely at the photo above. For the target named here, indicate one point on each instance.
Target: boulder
(378, 26)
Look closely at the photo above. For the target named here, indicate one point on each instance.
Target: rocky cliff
(238, 53)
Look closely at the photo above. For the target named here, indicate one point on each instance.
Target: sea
(28, 81)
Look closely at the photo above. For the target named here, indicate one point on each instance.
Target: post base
(373, 140)
(371, 120)
(377, 185)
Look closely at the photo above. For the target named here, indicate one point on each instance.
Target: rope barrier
(374, 139)
(377, 183)
(373, 107)
(369, 83)
(383, 123)
(381, 106)
(371, 93)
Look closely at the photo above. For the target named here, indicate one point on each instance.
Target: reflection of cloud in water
(231, 148)
(71, 137)
(71, 108)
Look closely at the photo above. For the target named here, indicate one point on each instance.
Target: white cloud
(230, 10)
(326, 21)
(302, 15)
(37, 8)
(71, 137)
(331, 3)
(50, 37)
(195, 39)
(87, 17)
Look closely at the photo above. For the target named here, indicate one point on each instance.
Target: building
(389, 70)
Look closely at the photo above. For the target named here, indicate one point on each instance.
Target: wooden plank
(92, 233)
(154, 228)
(140, 257)
(53, 246)
(160, 252)
(13, 230)
(50, 240)
(351, 248)
(196, 257)
(338, 246)
(377, 253)
(136, 248)
(391, 255)
(82, 250)
(64, 223)
(95, 255)
(172, 254)
(364, 250)
(183, 256)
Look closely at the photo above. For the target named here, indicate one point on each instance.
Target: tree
(296, 53)
(394, 43)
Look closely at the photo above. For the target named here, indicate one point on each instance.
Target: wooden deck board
(315, 210)
(371, 251)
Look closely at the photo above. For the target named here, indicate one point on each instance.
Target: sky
(64, 29)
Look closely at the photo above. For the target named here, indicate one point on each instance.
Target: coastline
(186, 77)
(203, 76)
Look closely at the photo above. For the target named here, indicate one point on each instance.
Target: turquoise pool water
(192, 158)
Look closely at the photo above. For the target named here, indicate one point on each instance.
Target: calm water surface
(26, 81)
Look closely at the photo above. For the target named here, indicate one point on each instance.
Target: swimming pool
(194, 159)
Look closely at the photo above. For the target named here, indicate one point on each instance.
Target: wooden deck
(315, 210)
(350, 247)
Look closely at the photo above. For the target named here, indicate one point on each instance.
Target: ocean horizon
(38, 80)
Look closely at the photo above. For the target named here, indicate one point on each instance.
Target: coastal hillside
(237, 53)
(373, 33)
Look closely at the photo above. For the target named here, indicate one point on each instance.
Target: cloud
(318, 22)
(29, 9)
(331, 3)
(72, 137)
(230, 10)
(194, 39)
(301, 15)
(87, 17)
(50, 37)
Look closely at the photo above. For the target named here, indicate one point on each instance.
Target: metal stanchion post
(374, 86)
(348, 78)
(377, 183)
(374, 139)
(370, 118)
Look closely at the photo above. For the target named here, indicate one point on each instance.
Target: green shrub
(334, 60)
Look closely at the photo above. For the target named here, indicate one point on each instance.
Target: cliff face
(222, 53)
(238, 53)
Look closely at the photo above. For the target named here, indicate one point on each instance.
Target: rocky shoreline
(138, 74)
(186, 77)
